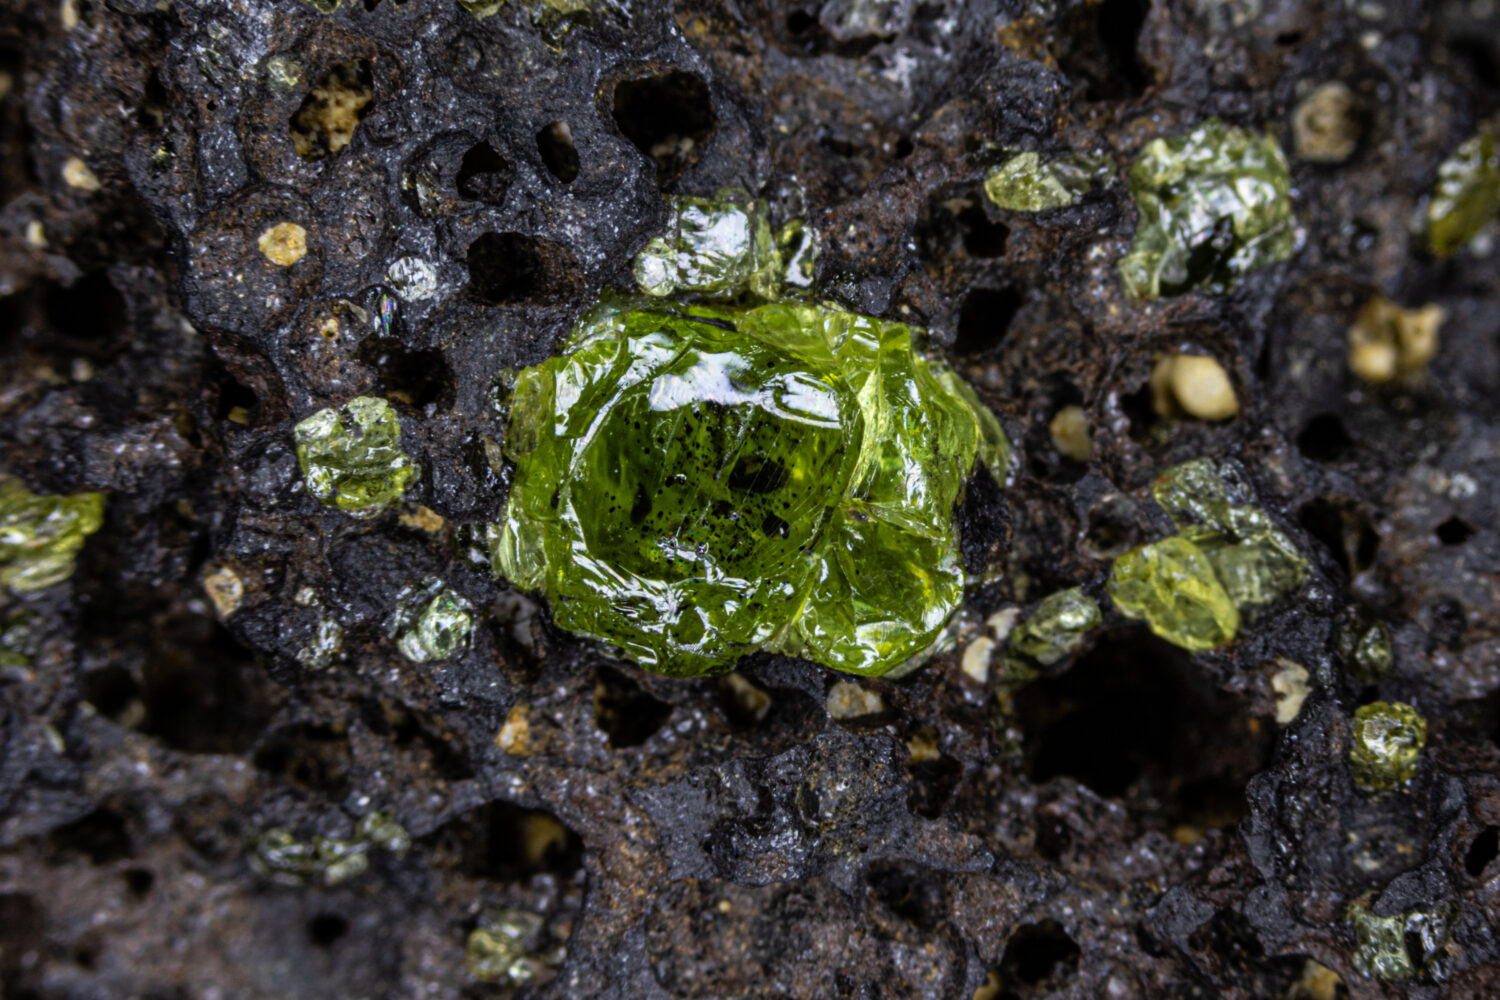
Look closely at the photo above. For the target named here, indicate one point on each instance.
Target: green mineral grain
(1364, 646)
(507, 948)
(1057, 627)
(696, 483)
(1029, 183)
(1403, 946)
(433, 623)
(351, 457)
(1214, 203)
(718, 247)
(1173, 586)
(1386, 744)
(1467, 194)
(40, 535)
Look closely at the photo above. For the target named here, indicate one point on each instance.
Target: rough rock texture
(1134, 823)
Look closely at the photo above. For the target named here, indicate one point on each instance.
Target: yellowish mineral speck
(847, 700)
(423, 519)
(36, 235)
(1325, 126)
(515, 736)
(976, 658)
(1387, 340)
(1290, 685)
(752, 702)
(76, 174)
(1192, 384)
(1070, 434)
(1318, 982)
(225, 589)
(284, 244)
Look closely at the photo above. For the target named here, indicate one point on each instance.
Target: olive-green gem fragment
(1172, 585)
(18, 639)
(1387, 740)
(506, 948)
(40, 535)
(351, 457)
(432, 623)
(1214, 203)
(1029, 183)
(719, 247)
(1057, 627)
(1364, 646)
(696, 483)
(1403, 946)
(1467, 194)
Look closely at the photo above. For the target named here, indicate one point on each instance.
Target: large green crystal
(1386, 745)
(695, 483)
(352, 458)
(1467, 194)
(40, 535)
(1214, 203)
(1172, 585)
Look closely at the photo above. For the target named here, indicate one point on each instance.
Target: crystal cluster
(1467, 194)
(695, 483)
(351, 457)
(40, 535)
(1214, 203)
(1226, 554)
(1402, 946)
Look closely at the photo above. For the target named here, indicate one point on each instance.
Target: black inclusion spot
(1485, 848)
(483, 175)
(1454, 531)
(641, 508)
(984, 319)
(747, 476)
(775, 527)
(1324, 439)
(326, 928)
(668, 117)
(555, 144)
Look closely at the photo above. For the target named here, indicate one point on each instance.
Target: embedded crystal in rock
(1387, 740)
(1214, 203)
(352, 458)
(1057, 627)
(718, 247)
(1172, 585)
(40, 535)
(1467, 194)
(698, 483)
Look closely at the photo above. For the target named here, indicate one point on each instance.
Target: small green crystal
(351, 457)
(1402, 946)
(1214, 203)
(1364, 646)
(718, 247)
(1028, 183)
(40, 535)
(1173, 586)
(432, 623)
(696, 483)
(1387, 743)
(1057, 627)
(18, 639)
(507, 948)
(1467, 194)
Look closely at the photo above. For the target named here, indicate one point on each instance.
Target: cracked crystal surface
(694, 483)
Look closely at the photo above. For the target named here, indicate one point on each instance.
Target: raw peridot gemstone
(1404, 945)
(1057, 627)
(1209, 503)
(1214, 203)
(718, 247)
(351, 457)
(696, 483)
(431, 622)
(1172, 585)
(1028, 183)
(1364, 646)
(40, 535)
(1387, 742)
(1467, 194)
